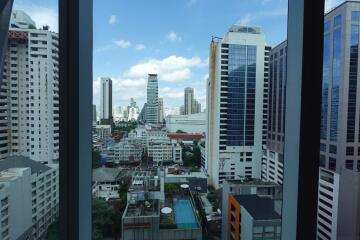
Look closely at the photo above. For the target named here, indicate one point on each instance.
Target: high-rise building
(29, 197)
(161, 110)
(182, 110)
(339, 187)
(5, 13)
(94, 113)
(142, 115)
(266, 94)
(152, 108)
(132, 112)
(188, 100)
(272, 161)
(105, 101)
(30, 92)
(235, 105)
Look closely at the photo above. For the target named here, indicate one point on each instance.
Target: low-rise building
(251, 217)
(197, 180)
(128, 150)
(29, 197)
(106, 182)
(146, 185)
(192, 123)
(160, 149)
(103, 131)
(152, 219)
(249, 187)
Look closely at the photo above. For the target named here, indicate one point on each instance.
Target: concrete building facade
(235, 90)
(29, 95)
(106, 115)
(152, 106)
(29, 197)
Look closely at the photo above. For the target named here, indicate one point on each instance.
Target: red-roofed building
(186, 136)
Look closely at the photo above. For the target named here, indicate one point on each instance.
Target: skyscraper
(235, 90)
(5, 13)
(161, 110)
(30, 92)
(339, 188)
(272, 161)
(105, 101)
(94, 113)
(152, 108)
(188, 100)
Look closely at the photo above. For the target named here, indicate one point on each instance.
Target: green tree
(180, 131)
(170, 189)
(102, 219)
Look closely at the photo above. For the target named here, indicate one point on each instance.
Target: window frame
(75, 87)
(302, 135)
(303, 110)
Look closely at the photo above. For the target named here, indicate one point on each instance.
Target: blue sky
(168, 37)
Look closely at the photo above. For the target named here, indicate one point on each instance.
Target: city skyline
(121, 55)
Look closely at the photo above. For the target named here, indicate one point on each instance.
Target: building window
(355, 15)
(349, 151)
(332, 163)
(337, 20)
(332, 149)
(349, 164)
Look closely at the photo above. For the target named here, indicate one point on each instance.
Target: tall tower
(273, 162)
(339, 182)
(105, 101)
(152, 107)
(235, 90)
(188, 100)
(30, 92)
(161, 110)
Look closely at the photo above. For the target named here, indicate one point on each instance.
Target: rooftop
(259, 208)
(104, 174)
(185, 136)
(142, 208)
(250, 181)
(23, 162)
(245, 29)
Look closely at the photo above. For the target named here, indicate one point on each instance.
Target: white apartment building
(128, 150)
(29, 103)
(103, 131)
(191, 123)
(161, 149)
(29, 197)
(106, 182)
(235, 105)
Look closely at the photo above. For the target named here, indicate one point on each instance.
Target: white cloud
(122, 43)
(253, 17)
(113, 19)
(41, 15)
(175, 72)
(123, 90)
(172, 93)
(171, 69)
(139, 47)
(206, 76)
(174, 36)
(246, 19)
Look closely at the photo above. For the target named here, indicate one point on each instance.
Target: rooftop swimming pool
(184, 214)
